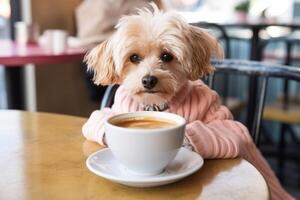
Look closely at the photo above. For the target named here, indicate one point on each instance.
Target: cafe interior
(50, 97)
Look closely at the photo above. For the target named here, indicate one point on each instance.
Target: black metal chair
(262, 70)
(108, 97)
(284, 110)
(240, 67)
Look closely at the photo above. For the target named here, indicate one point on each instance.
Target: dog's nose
(149, 82)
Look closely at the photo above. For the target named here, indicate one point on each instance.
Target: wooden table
(42, 156)
(14, 56)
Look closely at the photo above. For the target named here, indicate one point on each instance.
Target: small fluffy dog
(158, 58)
(152, 55)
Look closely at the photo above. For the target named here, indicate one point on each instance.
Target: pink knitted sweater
(210, 129)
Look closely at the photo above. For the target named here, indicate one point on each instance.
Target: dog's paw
(93, 129)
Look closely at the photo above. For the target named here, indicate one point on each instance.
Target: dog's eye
(134, 58)
(166, 57)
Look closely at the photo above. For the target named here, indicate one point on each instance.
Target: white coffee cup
(59, 41)
(145, 152)
(26, 33)
(54, 40)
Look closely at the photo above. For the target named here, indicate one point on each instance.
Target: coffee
(144, 123)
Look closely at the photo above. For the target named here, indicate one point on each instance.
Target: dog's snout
(149, 82)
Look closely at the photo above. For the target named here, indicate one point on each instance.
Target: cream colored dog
(152, 54)
(157, 58)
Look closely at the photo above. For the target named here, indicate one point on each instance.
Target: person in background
(96, 19)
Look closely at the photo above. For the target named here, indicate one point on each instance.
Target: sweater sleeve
(216, 134)
(93, 129)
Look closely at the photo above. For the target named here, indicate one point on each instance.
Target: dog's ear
(100, 61)
(202, 47)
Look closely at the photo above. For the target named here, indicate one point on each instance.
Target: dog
(152, 55)
(158, 59)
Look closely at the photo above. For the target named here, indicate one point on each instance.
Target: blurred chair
(108, 97)
(286, 109)
(252, 33)
(239, 67)
(264, 71)
(234, 104)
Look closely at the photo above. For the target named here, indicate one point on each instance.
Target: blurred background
(42, 45)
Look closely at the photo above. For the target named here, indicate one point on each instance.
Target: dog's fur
(149, 34)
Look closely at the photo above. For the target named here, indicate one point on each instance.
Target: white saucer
(103, 164)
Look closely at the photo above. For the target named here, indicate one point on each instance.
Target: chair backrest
(249, 68)
(289, 43)
(108, 97)
(262, 70)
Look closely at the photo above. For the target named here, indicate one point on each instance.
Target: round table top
(42, 156)
(12, 54)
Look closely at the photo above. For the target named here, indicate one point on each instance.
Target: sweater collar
(178, 98)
